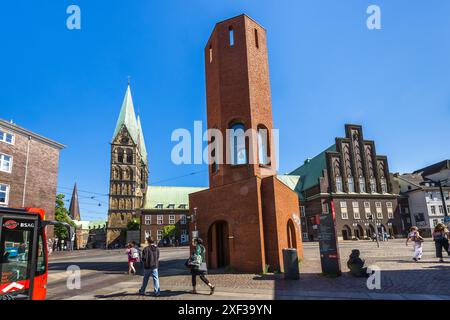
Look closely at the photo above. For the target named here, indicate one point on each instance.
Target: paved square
(401, 278)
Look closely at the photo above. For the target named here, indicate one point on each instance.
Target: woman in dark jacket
(199, 268)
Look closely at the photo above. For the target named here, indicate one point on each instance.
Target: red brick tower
(246, 216)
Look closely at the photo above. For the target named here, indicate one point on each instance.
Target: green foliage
(170, 232)
(133, 225)
(62, 215)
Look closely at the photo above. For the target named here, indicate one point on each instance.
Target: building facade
(128, 173)
(351, 179)
(427, 201)
(166, 206)
(247, 216)
(28, 169)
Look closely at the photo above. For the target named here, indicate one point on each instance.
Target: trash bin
(290, 260)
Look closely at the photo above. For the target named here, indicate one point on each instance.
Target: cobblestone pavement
(401, 278)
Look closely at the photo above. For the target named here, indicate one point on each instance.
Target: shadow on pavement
(164, 293)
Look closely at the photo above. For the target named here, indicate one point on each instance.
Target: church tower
(74, 208)
(128, 172)
(248, 215)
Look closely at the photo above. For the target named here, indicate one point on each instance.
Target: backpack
(134, 253)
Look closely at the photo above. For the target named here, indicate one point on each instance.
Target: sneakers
(415, 259)
(212, 290)
(157, 294)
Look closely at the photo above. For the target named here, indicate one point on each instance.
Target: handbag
(203, 267)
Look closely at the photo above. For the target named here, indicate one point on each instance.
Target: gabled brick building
(352, 179)
(247, 216)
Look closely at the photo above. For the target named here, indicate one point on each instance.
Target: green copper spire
(127, 117)
(141, 141)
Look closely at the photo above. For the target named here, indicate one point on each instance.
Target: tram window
(14, 264)
(41, 265)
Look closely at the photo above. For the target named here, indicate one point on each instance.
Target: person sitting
(356, 264)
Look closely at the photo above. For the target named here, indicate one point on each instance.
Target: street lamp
(376, 229)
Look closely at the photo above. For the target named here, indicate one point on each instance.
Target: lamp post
(376, 228)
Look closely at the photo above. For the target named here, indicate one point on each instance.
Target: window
(390, 210)
(448, 209)
(263, 146)
(182, 206)
(383, 185)
(231, 33)
(389, 204)
(256, 38)
(433, 209)
(171, 206)
(373, 185)
(430, 196)
(344, 212)
(171, 219)
(160, 219)
(214, 164)
(324, 207)
(338, 184)
(183, 219)
(129, 156)
(5, 163)
(4, 194)
(159, 206)
(159, 235)
(435, 222)
(302, 211)
(362, 185)
(6, 137)
(148, 220)
(379, 210)
(210, 53)
(356, 214)
(441, 209)
(351, 184)
(237, 139)
(120, 155)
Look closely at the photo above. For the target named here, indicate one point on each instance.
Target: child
(417, 240)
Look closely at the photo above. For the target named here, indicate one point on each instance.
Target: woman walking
(440, 237)
(133, 256)
(198, 265)
(417, 240)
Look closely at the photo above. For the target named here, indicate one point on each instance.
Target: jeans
(147, 274)
(441, 244)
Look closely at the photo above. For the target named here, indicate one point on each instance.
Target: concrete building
(247, 216)
(166, 206)
(351, 179)
(425, 199)
(28, 169)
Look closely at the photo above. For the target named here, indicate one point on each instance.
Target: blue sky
(326, 67)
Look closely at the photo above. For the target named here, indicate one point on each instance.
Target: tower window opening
(256, 38)
(231, 32)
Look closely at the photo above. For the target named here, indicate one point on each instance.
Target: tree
(62, 215)
(133, 225)
(170, 232)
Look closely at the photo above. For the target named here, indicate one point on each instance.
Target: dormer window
(362, 185)
(171, 206)
(159, 206)
(351, 184)
(339, 184)
(182, 206)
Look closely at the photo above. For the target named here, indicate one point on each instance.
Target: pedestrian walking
(440, 237)
(417, 240)
(150, 260)
(133, 256)
(198, 266)
(138, 248)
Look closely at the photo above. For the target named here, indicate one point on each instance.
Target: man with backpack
(150, 260)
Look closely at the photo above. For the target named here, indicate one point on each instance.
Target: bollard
(290, 260)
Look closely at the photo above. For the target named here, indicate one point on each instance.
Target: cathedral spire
(74, 209)
(127, 117)
(141, 141)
